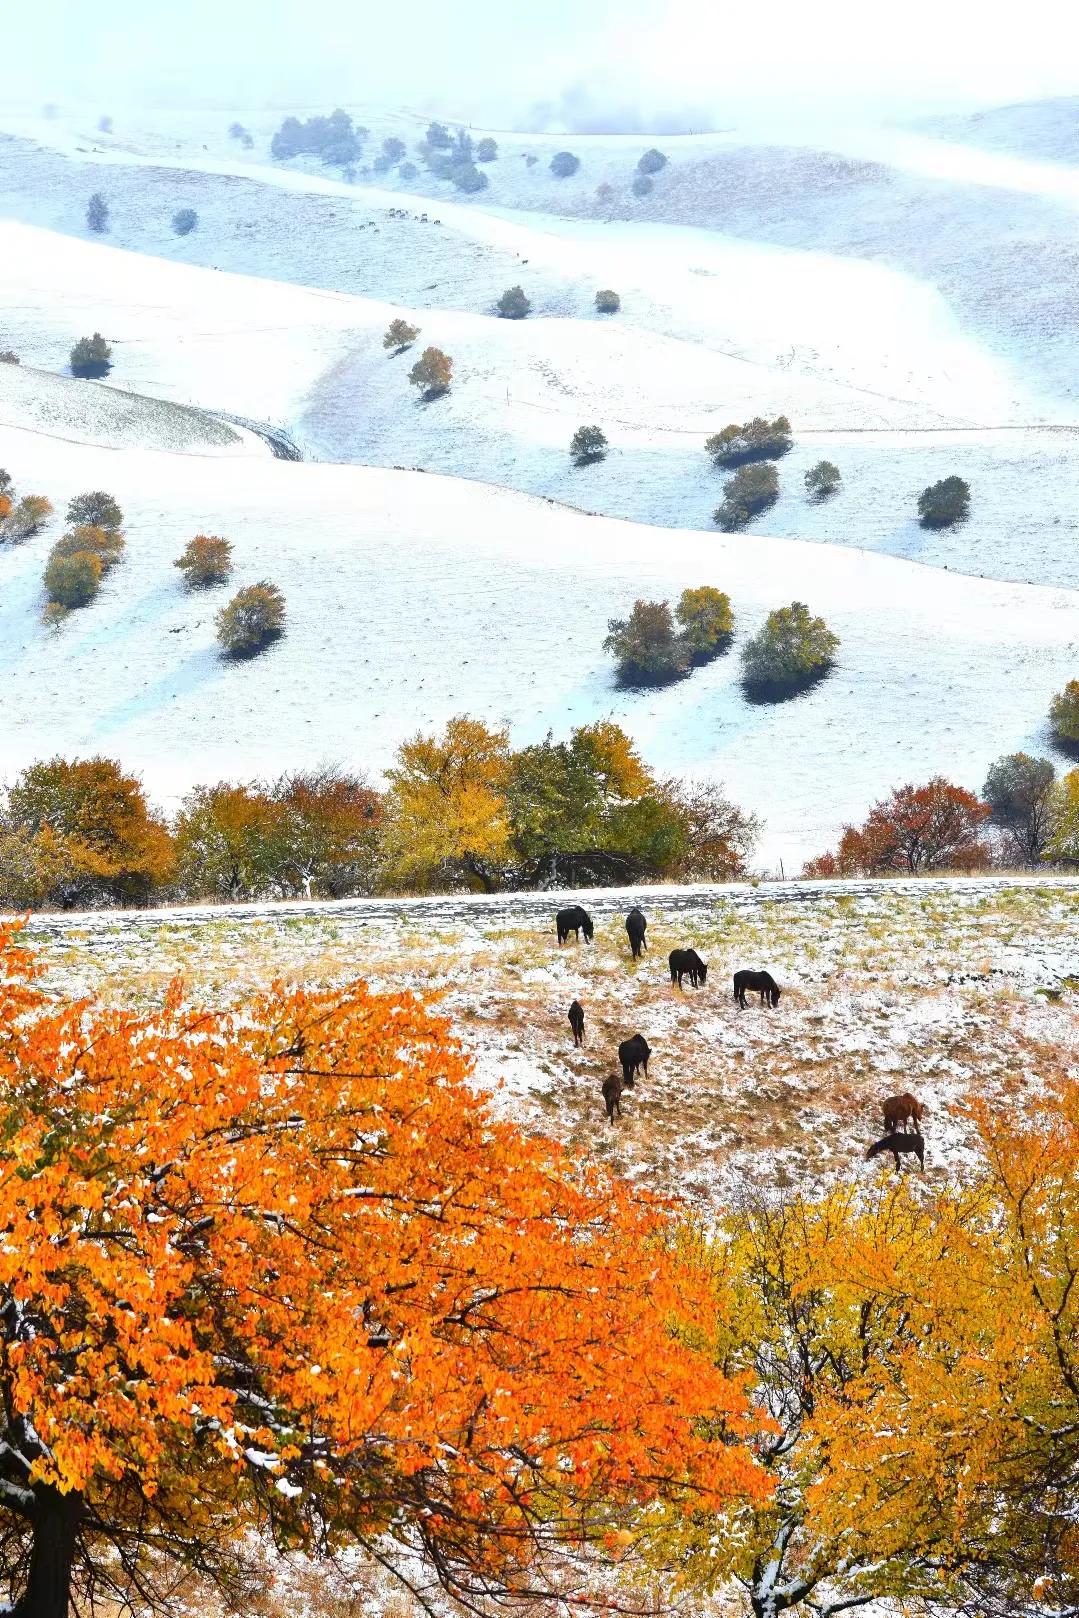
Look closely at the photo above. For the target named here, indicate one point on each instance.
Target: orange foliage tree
(934, 827)
(279, 1266)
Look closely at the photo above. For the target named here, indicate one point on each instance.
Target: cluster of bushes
(462, 810)
(1025, 816)
(20, 519)
(80, 559)
(244, 136)
(453, 157)
(254, 618)
(652, 651)
(793, 651)
(751, 447)
(334, 139)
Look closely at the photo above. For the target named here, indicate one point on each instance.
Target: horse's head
(776, 992)
(587, 929)
(702, 972)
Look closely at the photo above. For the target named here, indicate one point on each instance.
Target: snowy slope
(412, 598)
(92, 412)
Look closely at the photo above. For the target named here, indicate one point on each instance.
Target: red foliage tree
(935, 827)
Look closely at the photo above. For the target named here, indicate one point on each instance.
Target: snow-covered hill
(414, 597)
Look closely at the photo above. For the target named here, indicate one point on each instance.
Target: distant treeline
(461, 811)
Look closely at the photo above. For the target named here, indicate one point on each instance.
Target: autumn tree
(433, 372)
(88, 827)
(106, 544)
(29, 516)
(330, 841)
(400, 335)
(935, 827)
(71, 581)
(95, 509)
(792, 652)
(279, 1266)
(646, 645)
(253, 619)
(228, 841)
(91, 357)
(446, 819)
(716, 838)
(1020, 792)
(707, 622)
(756, 440)
(205, 560)
(7, 485)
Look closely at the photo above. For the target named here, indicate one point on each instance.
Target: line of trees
(1026, 816)
(277, 1266)
(461, 810)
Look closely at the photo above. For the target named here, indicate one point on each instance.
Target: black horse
(764, 982)
(575, 921)
(902, 1141)
(633, 1055)
(576, 1021)
(635, 927)
(687, 963)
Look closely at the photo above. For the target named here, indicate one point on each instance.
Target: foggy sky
(494, 59)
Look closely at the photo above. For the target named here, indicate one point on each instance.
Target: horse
(633, 1054)
(576, 1021)
(902, 1141)
(687, 963)
(763, 981)
(575, 921)
(635, 927)
(899, 1109)
(612, 1096)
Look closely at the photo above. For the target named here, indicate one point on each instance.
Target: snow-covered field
(940, 987)
(908, 301)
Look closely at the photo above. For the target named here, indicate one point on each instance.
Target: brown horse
(899, 1110)
(576, 1021)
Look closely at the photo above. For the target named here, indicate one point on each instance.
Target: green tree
(73, 581)
(91, 357)
(252, 620)
(756, 440)
(717, 837)
(822, 480)
(184, 221)
(648, 650)
(439, 136)
(608, 302)
(467, 177)
(513, 304)
(750, 491)
(97, 214)
(944, 503)
(400, 335)
(393, 148)
(707, 621)
(1020, 792)
(643, 185)
(588, 444)
(791, 652)
(486, 150)
(433, 372)
(1064, 717)
(563, 164)
(651, 162)
(95, 509)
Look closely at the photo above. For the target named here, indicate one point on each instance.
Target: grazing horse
(575, 921)
(898, 1110)
(576, 1021)
(612, 1096)
(633, 1055)
(635, 927)
(687, 963)
(762, 981)
(896, 1143)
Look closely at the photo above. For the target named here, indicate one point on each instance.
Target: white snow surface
(414, 597)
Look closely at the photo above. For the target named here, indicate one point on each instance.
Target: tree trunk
(56, 1526)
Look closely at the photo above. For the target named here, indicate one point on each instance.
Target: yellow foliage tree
(446, 813)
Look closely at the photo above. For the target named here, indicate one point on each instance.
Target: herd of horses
(902, 1114)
